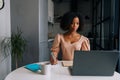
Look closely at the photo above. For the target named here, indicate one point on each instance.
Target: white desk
(58, 72)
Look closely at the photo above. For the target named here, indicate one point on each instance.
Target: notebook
(94, 63)
(67, 63)
(33, 67)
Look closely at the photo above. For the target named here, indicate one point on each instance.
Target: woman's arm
(55, 50)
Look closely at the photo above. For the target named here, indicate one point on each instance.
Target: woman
(71, 40)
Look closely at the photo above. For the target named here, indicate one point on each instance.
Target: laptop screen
(94, 63)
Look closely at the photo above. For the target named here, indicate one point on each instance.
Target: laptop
(94, 63)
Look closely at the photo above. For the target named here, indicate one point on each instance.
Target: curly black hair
(67, 19)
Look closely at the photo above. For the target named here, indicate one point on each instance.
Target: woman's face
(75, 24)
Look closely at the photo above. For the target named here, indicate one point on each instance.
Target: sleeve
(85, 45)
(56, 45)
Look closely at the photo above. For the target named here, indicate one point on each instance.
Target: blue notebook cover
(33, 67)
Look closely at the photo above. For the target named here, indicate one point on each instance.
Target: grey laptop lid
(94, 63)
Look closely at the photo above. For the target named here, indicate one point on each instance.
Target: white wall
(24, 14)
(32, 17)
(5, 31)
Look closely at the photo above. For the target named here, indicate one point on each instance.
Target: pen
(53, 56)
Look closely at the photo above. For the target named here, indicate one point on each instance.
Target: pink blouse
(69, 48)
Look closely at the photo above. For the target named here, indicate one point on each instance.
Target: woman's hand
(53, 61)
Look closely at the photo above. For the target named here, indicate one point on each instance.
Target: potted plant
(16, 45)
